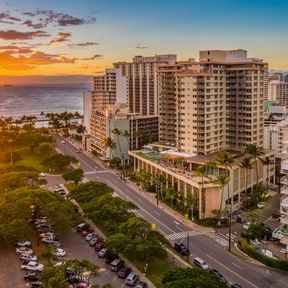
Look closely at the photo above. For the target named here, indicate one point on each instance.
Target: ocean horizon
(19, 100)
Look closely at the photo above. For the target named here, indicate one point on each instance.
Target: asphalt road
(205, 246)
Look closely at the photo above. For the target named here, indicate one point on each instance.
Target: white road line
(177, 223)
(242, 278)
(157, 213)
(179, 229)
(140, 200)
(236, 266)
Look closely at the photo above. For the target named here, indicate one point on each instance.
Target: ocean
(17, 101)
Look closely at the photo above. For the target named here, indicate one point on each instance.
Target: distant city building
(141, 75)
(278, 91)
(139, 129)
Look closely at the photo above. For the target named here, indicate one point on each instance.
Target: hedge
(268, 261)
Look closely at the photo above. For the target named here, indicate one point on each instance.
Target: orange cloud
(10, 62)
(17, 35)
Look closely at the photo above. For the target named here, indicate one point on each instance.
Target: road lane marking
(236, 266)
(157, 213)
(140, 200)
(179, 229)
(116, 277)
(177, 223)
(242, 278)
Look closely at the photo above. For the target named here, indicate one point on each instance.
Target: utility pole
(230, 226)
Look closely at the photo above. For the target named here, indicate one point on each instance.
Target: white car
(29, 257)
(102, 252)
(42, 174)
(90, 236)
(26, 250)
(283, 250)
(59, 252)
(33, 266)
(23, 243)
(63, 142)
(47, 235)
(247, 225)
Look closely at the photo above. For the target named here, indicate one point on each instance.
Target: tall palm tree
(109, 143)
(118, 133)
(127, 135)
(224, 158)
(247, 165)
(222, 180)
(254, 152)
(266, 161)
(202, 171)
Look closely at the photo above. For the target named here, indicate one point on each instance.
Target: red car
(99, 246)
(86, 231)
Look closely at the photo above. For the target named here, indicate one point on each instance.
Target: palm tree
(191, 203)
(160, 181)
(127, 135)
(266, 161)
(224, 158)
(254, 152)
(81, 129)
(109, 143)
(247, 165)
(202, 171)
(118, 133)
(222, 180)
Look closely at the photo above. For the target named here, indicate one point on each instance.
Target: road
(205, 246)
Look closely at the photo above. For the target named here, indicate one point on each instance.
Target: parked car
(75, 279)
(59, 252)
(200, 263)
(41, 220)
(80, 227)
(116, 264)
(141, 284)
(69, 272)
(31, 276)
(261, 204)
(123, 272)
(37, 284)
(236, 286)
(182, 249)
(218, 275)
(43, 225)
(99, 246)
(51, 241)
(41, 174)
(87, 231)
(63, 142)
(246, 225)
(48, 235)
(23, 243)
(26, 250)
(109, 257)
(90, 236)
(29, 257)
(33, 266)
(95, 240)
(131, 279)
(102, 253)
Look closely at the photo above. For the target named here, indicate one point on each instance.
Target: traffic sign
(153, 226)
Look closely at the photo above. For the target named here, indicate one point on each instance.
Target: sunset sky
(84, 37)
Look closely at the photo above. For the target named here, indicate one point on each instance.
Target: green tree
(136, 227)
(267, 161)
(75, 175)
(222, 180)
(80, 129)
(111, 145)
(247, 165)
(58, 162)
(118, 133)
(171, 195)
(254, 152)
(225, 159)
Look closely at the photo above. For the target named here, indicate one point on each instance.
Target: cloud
(30, 24)
(8, 61)
(17, 35)
(141, 47)
(47, 17)
(61, 37)
(84, 44)
(96, 56)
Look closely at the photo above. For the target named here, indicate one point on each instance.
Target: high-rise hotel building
(141, 76)
(213, 104)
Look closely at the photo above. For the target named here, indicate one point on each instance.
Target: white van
(200, 263)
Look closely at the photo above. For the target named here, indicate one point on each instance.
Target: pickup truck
(181, 249)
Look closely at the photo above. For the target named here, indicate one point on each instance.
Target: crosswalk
(221, 240)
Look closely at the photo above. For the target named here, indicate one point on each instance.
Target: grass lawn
(156, 269)
(31, 160)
